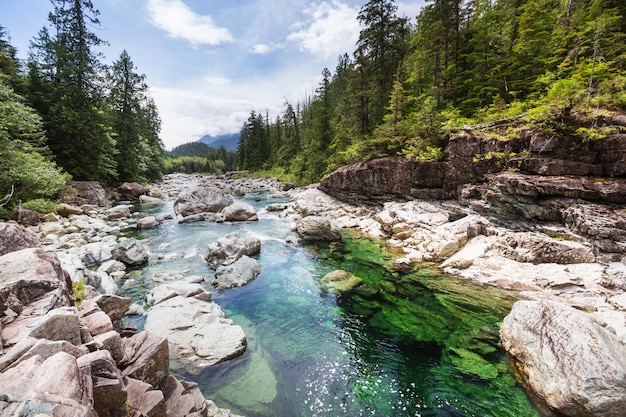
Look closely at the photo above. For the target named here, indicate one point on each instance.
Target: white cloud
(179, 21)
(263, 48)
(332, 31)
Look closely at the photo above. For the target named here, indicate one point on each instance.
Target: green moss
(472, 363)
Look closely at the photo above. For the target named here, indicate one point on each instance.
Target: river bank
(540, 262)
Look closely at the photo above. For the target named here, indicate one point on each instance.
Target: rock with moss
(340, 281)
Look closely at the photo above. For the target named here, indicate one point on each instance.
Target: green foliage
(135, 123)
(24, 167)
(79, 291)
(41, 205)
(464, 65)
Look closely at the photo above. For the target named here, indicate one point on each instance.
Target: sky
(209, 63)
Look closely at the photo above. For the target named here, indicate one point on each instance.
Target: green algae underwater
(399, 344)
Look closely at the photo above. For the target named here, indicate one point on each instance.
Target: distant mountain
(229, 141)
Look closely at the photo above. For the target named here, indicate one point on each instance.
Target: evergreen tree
(380, 50)
(131, 115)
(65, 88)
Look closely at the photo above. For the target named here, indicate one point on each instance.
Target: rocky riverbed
(570, 333)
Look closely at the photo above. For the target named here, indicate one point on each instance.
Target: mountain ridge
(229, 141)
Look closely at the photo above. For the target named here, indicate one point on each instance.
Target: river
(418, 344)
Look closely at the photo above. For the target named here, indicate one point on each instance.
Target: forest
(550, 63)
(408, 84)
(65, 114)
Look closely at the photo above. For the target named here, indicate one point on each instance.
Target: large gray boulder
(131, 252)
(14, 237)
(201, 200)
(131, 191)
(569, 360)
(317, 229)
(86, 192)
(196, 327)
(229, 248)
(237, 274)
(239, 212)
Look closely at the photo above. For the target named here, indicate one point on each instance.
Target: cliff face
(530, 164)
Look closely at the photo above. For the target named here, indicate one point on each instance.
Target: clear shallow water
(400, 345)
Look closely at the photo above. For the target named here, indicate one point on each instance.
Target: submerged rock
(572, 362)
(341, 281)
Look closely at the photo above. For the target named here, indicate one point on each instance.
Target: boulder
(340, 281)
(97, 253)
(107, 385)
(228, 248)
(239, 212)
(113, 305)
(86, 192)
(201, 199)
(66, 210)
(148, 222)
(317, 229)
(185, 399)
(52, 386)
(147, 200)
(146, 358)
(198, 330)
(145, 400)
(237, 274)
(121, 211)
(164, 292)
(576, 366)
(131, 191)
(112, 342)
(33, 276)
(131, 252)
(59, 324)
(25, 216)
(14, 237)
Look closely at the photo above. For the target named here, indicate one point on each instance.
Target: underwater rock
(341, 281)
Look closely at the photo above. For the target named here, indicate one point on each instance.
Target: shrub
(41, 205)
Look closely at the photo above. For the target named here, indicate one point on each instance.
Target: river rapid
(401, 344)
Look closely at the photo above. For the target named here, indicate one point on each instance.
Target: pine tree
(65, 88)
(131, 117)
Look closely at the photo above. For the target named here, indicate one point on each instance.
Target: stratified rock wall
(530, 164)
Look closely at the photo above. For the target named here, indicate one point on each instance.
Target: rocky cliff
(532, 163)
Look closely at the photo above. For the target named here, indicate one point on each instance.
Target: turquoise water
(417, 344)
